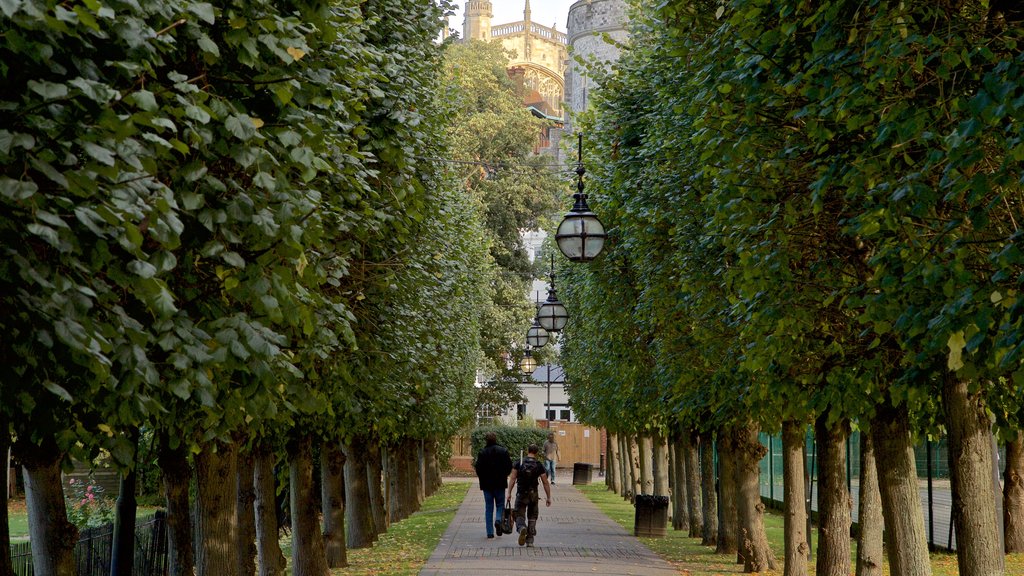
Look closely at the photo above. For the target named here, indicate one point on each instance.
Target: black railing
(92, 552)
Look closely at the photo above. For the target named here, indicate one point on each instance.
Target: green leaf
(48, 90)
(204, 11)
(234, 259)
(99, 153)
(144, 99)
(207, 45)
(956, 344)
(17, 189)
(240, 126)
(58, 390)
(142, 269)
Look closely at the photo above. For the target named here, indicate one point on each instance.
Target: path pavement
(573, 537)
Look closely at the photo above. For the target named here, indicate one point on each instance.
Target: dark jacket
(493, 465)
(528, 473)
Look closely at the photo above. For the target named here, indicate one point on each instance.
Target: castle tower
(527, 44)
(589, 21)
(477, 24)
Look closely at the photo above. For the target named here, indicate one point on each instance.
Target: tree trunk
(6, 568)
(870, 551)
(626, 474)
(795, 510)
(216, 525)
(245, 512)
(978, 549)
(612, 464)
(373, 480)
(833, 498)
(308, 556)
(901, 500)
(269, 558)
(680, 513)
(122, 554)
(358, 520)
(727, 529)
(53, 537)
(414, 473)
(635, 482)
(1013, 495)
(708, 492)
(644, 445)
(174, 468)
(407, 479)
(420, 465)
(433, 473)
(332, 502)
(396, 507)
(659, 464)
(692, 482)
(757, 555)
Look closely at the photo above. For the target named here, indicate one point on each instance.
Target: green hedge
(511, 437)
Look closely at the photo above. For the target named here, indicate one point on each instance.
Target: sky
(545, 12)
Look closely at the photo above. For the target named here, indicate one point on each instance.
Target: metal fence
(92, 552)
(933, 479)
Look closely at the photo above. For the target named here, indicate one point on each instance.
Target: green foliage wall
(515, 439)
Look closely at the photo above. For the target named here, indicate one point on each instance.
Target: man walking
(492, 467)
(551, 456)
(526, 473)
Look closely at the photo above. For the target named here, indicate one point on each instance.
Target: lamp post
(581, 235)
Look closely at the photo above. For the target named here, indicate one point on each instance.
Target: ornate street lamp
(552, 315)
(537, 336)
(581, 235)
(528, 364)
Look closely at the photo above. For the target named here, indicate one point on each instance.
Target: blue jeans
(549, 465)
(494, 500)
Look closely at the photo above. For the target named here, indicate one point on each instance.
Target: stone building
(539, 55)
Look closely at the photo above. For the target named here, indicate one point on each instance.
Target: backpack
(529, 473)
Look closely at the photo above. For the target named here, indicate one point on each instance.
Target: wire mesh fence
(94, 546)
(932, 463)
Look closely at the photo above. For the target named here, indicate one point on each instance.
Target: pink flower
(83, 502)
(91, 497)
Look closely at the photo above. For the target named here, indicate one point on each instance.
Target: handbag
(506, 518)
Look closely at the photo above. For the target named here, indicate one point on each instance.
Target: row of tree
(227, 224)
(815, 214)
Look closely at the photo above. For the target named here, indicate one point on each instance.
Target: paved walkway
(573, 537)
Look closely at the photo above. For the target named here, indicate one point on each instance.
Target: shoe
(522, 536)
(529, 544)
(490, 535)
(497, 529)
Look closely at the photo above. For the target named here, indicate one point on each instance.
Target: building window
(565, 415)
(521, 411)
(550, 415)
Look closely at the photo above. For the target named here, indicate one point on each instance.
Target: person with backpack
(493, 465)
(527, 473)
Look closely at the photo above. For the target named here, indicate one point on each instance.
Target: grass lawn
(687, 554)
(17, 520)
(407, 545)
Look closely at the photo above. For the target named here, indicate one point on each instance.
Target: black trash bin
(581, 473)
(651, 518)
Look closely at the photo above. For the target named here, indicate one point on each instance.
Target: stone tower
(589, 20)
(477, 24)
